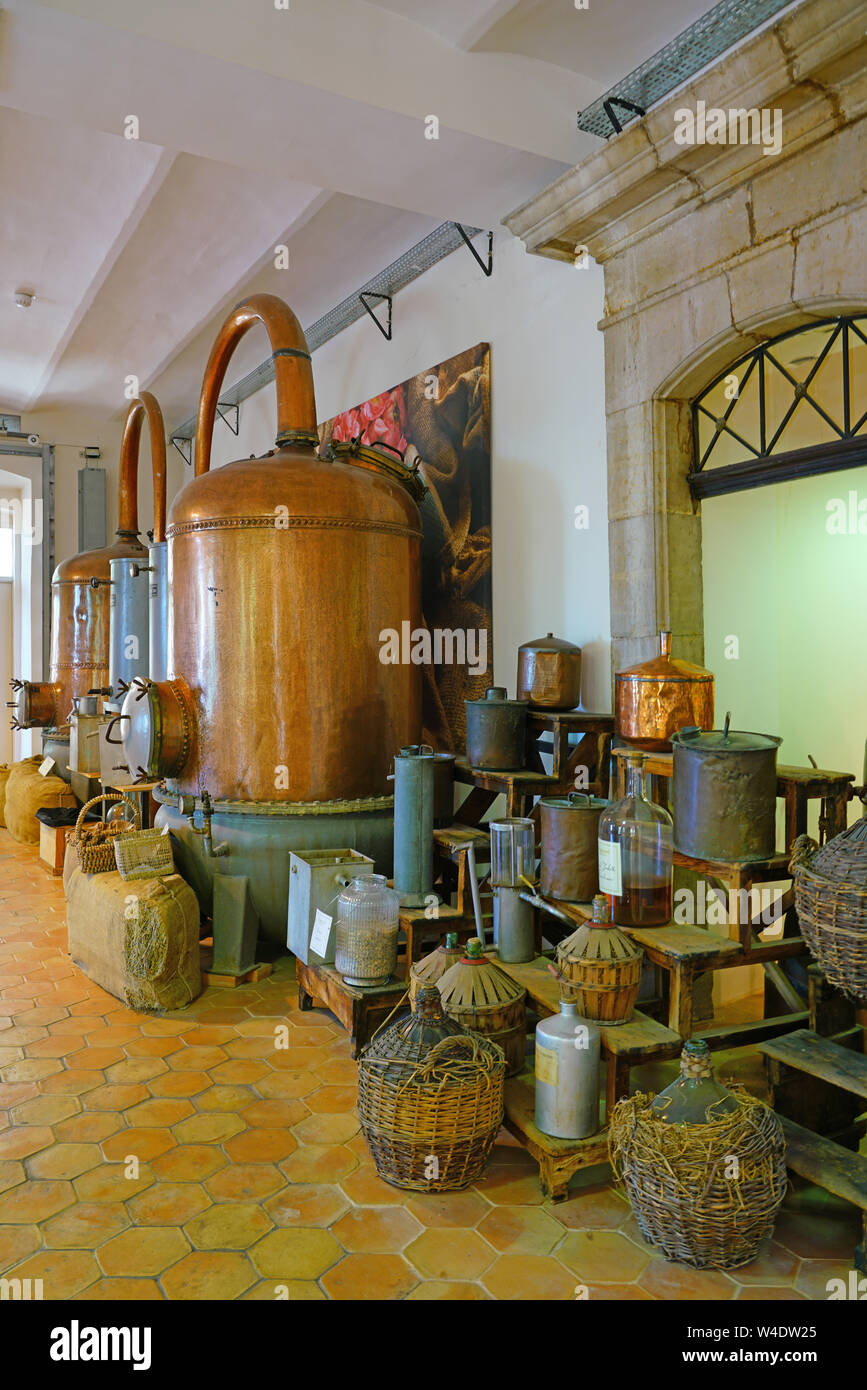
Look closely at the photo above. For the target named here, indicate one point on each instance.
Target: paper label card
(321, 933)
(610, 877)
(45, 766)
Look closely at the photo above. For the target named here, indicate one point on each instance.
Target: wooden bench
(558, 1159)
(833, 1168)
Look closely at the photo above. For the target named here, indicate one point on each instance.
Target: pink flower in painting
(381, 420)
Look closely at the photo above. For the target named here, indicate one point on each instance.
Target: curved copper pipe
(296, 407)
(127, 501)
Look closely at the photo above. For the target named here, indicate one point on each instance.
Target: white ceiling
(261, 126)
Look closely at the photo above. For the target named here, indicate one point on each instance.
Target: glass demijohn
(636, 842)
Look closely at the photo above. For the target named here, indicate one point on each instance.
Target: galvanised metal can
(567, 1074)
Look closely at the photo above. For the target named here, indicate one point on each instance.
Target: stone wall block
(759, 284)
(832, 258)
(632, 563)
(829, 174)
(684, 569)
(630, 445)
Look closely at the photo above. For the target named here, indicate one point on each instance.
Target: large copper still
(287, 572)
(655, 698)
(80, 587)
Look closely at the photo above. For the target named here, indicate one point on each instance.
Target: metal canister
(413, 824)
(724, 794)
(655, 698)
(496, 730)
(570, 860)
(567, 1074)
(444, 789)
(549, 673)
(128, 652)
(158, 617)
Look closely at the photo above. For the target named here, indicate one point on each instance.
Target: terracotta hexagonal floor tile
(90, 1127)
(162, 1112)
(618, 1293)
(16, 1242)
(96, 1058)
(366, 1188)
(370, 1277)
(64, 1273)
(143, 1250)
(774, 1265)
(196, 1058)
(236, 1098)
(109, 1183)
(260, 1146)
(29, 1068)
(313, 1163)
(768, 1293)
(239, 1072)
(35, 1201)
(520, 1230)
(447, 1208)
(372, 1230)
(815, 1275)
(290, 1290)
(675, 1283)
(327, 1129)
(85, 1226)
(817, 1237)
(256, 1047)
(529, 1277)
(440, 1253)
(136, 1069)
(115, 1096)
(212, 1128)
(200, 1035)
(59, 1045)
(144, 1144)
(255, 1028)
(603, 1257)
(179, 1083)
(122, 1291)
(307, 1204)
(169, 1204)
(164, 1027)
(510, 1186)
(447, 1290)
(209, 1274)
(245, 1182)
(599, 1209)
(228, 1226)
(46, 1110)
(298, 1058)
(295, 1253)
(274, 1114)
(333, 1100)
(64, 1161)
(151, 1047)
(19, 1142)
(287, 1085)
(189, 1163)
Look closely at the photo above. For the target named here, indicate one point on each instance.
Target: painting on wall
(441, 421)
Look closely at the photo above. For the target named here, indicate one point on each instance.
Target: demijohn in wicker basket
(94, 843)
(704, 1167)
(430, 1099)
(831, 903)
(600, 968)
(430, 969)
(482, 998)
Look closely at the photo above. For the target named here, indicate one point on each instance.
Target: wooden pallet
(558, 1159)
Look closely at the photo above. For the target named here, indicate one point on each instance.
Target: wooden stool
(359, 1009)
(416, 924)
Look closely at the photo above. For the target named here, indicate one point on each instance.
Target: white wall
(548, 432)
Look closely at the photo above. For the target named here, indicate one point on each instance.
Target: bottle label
(610, 878)
(547, 1065)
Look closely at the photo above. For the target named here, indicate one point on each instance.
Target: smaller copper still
(549, 673)
(656, 698)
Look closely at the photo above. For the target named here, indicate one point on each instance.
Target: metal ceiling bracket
(609, 105)
(489, 268)
(184, 447)
(371, 294)
(224, 409)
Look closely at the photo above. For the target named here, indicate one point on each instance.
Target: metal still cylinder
(158, 613)
(724, 794)
(128, 623)
(570, 861)
(413, 824)
(496, 731)
(549, 673)
(567, 1074)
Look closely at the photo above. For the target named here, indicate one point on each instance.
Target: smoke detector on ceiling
(24, 298)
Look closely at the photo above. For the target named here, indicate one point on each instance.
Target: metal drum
(724, 794)
(570, 859)
(128, 624)
(496, 730)
(549, 673)
(413, 824)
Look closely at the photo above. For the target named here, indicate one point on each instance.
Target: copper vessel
(656, 698)
(569, 867)
(549, 673)
(81, 585)
(286, 573)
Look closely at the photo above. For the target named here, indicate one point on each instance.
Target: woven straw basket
(144, 854)
(831, 903)
(94, 844)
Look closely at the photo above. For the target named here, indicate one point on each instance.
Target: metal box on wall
(91, 509)
(316, 877)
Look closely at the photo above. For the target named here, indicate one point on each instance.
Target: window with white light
(7, 552)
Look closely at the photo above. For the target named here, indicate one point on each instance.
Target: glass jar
(636, 846)
(696, 1097)
(513, 852)
(366, 932)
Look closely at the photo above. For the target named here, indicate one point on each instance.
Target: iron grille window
(793, 407)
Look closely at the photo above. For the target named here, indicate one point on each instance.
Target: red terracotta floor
(183, 1157)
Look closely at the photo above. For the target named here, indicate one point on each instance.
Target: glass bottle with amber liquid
(636, 847)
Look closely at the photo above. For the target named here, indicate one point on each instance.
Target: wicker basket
(600, 968)
(95, 844)
(430, 1099)
(482, 998)
(831, 902)
(144, 854)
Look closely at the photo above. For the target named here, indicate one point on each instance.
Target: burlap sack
(26, 791)
(4, 778)
(138, 939)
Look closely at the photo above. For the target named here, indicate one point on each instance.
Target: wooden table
(360, 1010)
